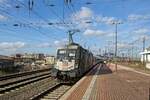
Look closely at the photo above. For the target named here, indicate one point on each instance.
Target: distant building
(145, 56)
(6, 62)
(35, 56)
(50, 60)
(30, 56)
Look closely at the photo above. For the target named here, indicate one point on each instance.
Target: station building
(145, 57)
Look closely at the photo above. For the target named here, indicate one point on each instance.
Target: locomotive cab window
(61, 54)
(61, 51)
(68, 54)
(72, 53)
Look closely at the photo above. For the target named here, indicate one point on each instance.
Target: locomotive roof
(74, 46)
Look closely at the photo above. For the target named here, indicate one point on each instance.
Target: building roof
(145, 52)
(5, 57)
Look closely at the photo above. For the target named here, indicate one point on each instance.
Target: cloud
(5, 3)
(60, 43)
(2, 17)
(106, 20)
(81, 17)
(110, 34)
(141, 31)
(135, 17)
(90, 32)
(55, 44)
(124, 45)
(11, 46)
(141, 37)
(86, 18)
(2, 1)
(44, 45)
(84, 13)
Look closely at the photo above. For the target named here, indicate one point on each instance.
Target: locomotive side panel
(86, 61)
(81, 62)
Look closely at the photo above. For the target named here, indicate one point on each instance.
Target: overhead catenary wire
(47, 20)
(34, 28)
(60, 19)
(37, 13)
(41, 16)
(13, 34)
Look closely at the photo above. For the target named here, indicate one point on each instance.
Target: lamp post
(116, 40)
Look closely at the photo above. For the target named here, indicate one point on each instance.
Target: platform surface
(103, 83)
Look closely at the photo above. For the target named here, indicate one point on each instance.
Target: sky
(43, 26)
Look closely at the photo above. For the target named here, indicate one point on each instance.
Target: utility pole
(143, 44)
(100, 52)
(132, 49)
(143, 52)
(116, 40)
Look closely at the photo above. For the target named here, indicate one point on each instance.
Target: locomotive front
(66, 65)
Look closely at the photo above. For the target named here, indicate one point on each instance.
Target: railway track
(5, 77)
(12, 84)
(34, 87)
(28, 91)
(23, 78)
(53, 93)
(56, 91)
(13, 87)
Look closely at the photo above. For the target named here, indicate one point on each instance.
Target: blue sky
(23, 31)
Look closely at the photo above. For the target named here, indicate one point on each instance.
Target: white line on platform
(89, 89)
(67, 94)
(133, 70)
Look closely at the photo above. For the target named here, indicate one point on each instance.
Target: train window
(62, 52)
(71, 54)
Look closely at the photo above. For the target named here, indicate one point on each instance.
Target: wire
(39, 15)
(26, 21)
(43, 18)
(63, 10)
(61, 19)
(13, 33)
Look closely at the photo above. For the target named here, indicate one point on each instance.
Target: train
(73, 61)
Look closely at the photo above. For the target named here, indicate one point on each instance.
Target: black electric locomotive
(73, 61)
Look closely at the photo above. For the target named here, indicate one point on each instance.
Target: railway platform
(103, 83)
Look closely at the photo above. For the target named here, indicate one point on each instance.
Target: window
(62, 51)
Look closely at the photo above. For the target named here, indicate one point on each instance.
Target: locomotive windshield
(66, 54)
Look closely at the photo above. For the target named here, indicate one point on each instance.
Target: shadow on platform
(104, 69)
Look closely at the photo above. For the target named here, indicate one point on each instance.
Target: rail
(4, 77)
